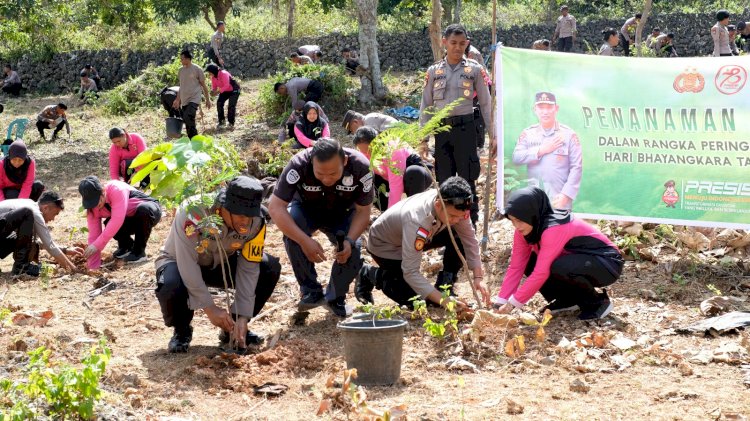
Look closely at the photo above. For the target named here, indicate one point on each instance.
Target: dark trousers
(233, 97)
(188, 116)
(389, 277)
(36, 190)
(565, 44)
(573, 278)
(351, 67)
(456, 154)
(625, 44)
(329, 222)
(43, 125)
(167, 99)
(12, 89)
(146, 216)
(16, 233)
(479, 123)
(173, 295)
(314, 91)
(417, 179)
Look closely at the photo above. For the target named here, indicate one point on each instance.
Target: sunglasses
(460, 203)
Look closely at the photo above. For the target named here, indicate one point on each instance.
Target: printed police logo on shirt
(292, 177)
(348, 180)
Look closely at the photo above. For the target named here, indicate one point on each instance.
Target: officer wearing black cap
(197, 248)
(457, 78)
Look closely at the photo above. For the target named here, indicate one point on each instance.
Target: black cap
(545, 98)
(91, 191)
(243, 196)
(348, 117)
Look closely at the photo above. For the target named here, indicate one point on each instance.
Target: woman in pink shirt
(126, 212)
(404, 172)
(125, 147)
(565, 259)
(223, 84)
(311, 126)
(18, 173)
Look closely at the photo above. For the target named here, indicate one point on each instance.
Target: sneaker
(30, 269)
(337, 307)
(558, 306)
(311, 300)
(134, 257)
(181, 339)
(230, 127)
(250, 339)
(121, 252)
(598, 310)
(220, 126)
(363, 286)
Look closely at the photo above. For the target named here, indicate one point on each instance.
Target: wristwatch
(351, 242)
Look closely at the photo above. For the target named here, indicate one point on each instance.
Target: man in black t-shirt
(326, 188)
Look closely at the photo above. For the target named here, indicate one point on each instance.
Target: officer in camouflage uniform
(191, 261)
(552, 152)
(457, 78)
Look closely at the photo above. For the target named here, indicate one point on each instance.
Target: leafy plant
(4, 315)
(448, 326)
(58, 390)
(186, 167)
(277, 161)
(338, 89)
(381, 312)
(629, 243)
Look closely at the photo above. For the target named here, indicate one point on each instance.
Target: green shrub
(338, 93)
(142, 91)
(58, 390)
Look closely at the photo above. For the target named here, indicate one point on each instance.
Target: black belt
(458, 120)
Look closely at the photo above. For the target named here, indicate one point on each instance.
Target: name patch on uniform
(253, 250)
(421, 238)
(345, 188)
(311, 188)
(292, 177)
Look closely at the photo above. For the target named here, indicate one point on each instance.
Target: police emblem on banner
(421, 239)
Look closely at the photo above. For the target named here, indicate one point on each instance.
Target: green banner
(636, 139)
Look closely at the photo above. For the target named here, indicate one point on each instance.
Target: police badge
(348, 180)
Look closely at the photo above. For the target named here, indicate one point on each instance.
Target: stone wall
(399, 52)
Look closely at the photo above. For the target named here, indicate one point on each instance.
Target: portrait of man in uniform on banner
(551, 153)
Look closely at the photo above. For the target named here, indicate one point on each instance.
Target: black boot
(445, 278)
(365, 283)
(251, 338)
(181, 339)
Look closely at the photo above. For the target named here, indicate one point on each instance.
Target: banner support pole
(488, 179)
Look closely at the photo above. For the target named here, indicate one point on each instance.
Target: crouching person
(398, 238)
(126, 212)
(191, 261)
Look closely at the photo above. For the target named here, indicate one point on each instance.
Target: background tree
(435, 31)
(639, 29)
(372, 81)
(185, 10)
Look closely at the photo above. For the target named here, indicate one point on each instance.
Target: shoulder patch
(253, 249)
(366, 177)
(367, 186)
(292, 177)
(421, 238)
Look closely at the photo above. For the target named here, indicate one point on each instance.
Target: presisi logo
(689, 81)
(730, 79)
(719, 188)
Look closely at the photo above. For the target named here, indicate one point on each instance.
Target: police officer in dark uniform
(457, 78)
(326, 188)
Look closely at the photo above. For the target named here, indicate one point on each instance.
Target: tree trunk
(220, 9)
(372, 80)
(435, 36)
(290, 20)
(639, 29)
(457, 12)
(447, 11)
(552, 11)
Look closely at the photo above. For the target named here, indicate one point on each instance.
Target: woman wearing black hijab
(564, 259)
(311, 125)
(17, 173)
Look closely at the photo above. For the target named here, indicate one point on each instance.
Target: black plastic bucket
(174, 127)
(374, 348)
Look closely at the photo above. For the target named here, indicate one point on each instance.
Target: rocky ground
(634, 364)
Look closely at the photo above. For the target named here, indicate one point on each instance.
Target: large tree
(435, 31)
(372, 80)
(185, 10)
